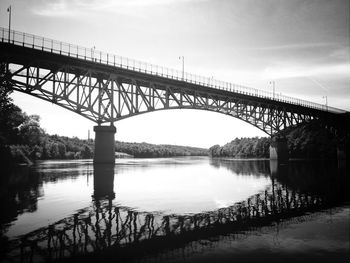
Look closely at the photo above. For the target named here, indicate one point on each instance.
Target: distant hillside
(147, 150)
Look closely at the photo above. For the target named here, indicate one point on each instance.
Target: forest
(307, 141)
(314, 141)
(243, 148)
(23, 140)
(142, 150)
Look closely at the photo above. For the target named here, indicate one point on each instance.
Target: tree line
(147, 150)
(307, 141)
(243, 148)
(23, 140)
(314, 141)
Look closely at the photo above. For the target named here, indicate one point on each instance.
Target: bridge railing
(91, 54)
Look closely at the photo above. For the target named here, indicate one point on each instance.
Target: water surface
(191, 209)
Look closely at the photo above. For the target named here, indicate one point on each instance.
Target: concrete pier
(104, 145)
(279, 149)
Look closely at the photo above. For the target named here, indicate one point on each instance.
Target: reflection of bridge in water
(124, 232)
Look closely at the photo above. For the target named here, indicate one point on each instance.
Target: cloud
(75, 7)
(55, 8)
(291, 71)
(340, 53)
(296, 46)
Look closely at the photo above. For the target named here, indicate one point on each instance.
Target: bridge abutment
(279, 149)
(104, 144)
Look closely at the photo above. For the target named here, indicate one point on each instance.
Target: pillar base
(104, 145)
(279, 150)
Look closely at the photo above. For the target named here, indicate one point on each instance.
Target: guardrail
(91, 54)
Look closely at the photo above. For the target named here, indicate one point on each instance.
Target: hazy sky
(302, 45)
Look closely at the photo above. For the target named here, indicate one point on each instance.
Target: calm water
(176, 210)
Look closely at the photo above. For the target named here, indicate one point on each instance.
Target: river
(188, 209)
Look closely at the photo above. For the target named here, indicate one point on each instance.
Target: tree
(54, 151)
(86, 153)
(30, 131)
(11, 117)
(61, 150)
(242, 147)
(215, 150)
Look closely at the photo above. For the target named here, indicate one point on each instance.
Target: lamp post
(325, 97)
(183, 67)
(273, 88)
(93, 53)
(9, 10)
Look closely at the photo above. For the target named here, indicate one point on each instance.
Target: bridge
(105, 88)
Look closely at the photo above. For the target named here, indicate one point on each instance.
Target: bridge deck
(53, 61)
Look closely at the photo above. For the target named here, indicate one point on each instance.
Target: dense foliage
(61, 147)
(310, 141)
(142, 150)
(313, 140)
(51, 147)
(22, 140)
(243, 148)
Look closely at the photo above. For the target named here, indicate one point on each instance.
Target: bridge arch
(107, 101)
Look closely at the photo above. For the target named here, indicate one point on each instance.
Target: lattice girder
(109, 96)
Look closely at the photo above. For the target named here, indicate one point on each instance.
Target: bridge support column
(104, 144)
(279, 149)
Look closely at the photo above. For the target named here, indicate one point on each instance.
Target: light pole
(325, 97)
(273, 88)
(93, 53)
(183, 67)
(9, 10)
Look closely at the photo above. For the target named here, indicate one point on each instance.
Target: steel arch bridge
(105, 88)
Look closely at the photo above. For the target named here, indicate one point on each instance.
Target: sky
(301, 45)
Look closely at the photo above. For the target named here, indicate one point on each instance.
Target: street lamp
(9, 10)
(273, 88)
(183, 67)
(93, 53)
(325, 97)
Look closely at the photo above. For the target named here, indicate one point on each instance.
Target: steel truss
(108, 97)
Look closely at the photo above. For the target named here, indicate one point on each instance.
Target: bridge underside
(106, 94)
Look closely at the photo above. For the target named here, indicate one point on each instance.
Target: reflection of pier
(103, 181)
(119, 230)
